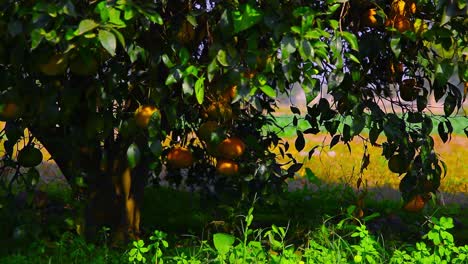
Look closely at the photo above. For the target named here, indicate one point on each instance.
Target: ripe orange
(415, 204)
(413, 8)
(231, 148)
(207, 130)
(143, 115)
(227, 167)
(369, 19)
(179, 157)
(402, 23)
(9, 111)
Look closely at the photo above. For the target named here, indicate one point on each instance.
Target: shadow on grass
(302, 209)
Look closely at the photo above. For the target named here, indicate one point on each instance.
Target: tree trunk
(113, 192)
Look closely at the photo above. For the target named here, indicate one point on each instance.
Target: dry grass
(339, 165)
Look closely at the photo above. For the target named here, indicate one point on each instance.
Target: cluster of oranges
(225, 151)
(211, 134)
(400, 13)
(398, 17)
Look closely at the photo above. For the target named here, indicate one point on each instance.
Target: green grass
(313, 226)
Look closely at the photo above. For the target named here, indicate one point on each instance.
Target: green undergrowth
(347, 241)
(316, 224)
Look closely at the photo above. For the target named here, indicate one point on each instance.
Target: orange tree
(103, 84)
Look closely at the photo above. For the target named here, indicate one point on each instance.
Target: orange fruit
(231, 148)
(413, 8)
(227, 167)
(358, 213)
(219, 111)
(56, 65)
(402, 23)
(143, 115)
(207, 130)
(369, 19)
(398, 164)
(230, 93)
(249, 74)
(415, 204)
(179, 157)
(9, 111)
(396, 69)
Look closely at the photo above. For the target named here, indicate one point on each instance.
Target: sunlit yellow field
(339, 165)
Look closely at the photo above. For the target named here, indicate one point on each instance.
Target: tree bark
(113, 192)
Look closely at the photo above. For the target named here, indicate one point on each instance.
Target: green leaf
(245, 18)
(103, 11)
(223, 242)
(133, 156)
(192, 20)
(167, 61)
(306, 50)
(114, 17)
(222, 58)
(442, 133)
(309, 86)
(128, 13)
(446, 222)
(86, 26)
(154, 17)
(184, 56)
(352, 57)
(173, 77)
(119, 36)
(449, 104)
(156, 148)
(108, 41)
(187, 85)
(200, 89)
(395, 46)
(36, 37)
(300, 141)
(269, 91)
(352, 40)
(335, 79)
(288, 46)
